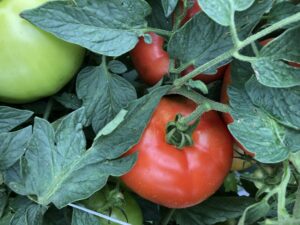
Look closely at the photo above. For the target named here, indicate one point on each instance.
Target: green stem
(158, 31)
(168, 217)
(270, 29)
(238, 47)
(200, 99)
(235, 37)
(281, 209)
(296, 210)
(255, 49)
(244, 58)
(205, 107)
(182, 67)
(48, 109)
(181, 81)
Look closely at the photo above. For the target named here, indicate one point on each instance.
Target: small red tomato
(191, 11)
(179, 178)
(150, 60)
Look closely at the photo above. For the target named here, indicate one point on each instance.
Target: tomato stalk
(179, 132)
(200, 99)
(157, 31)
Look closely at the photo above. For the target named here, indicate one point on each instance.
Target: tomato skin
(33, 63)
(206, 78)
(130, 207)
(180, 178)
(191, 11)
(151, 60)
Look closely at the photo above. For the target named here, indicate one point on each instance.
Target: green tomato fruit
(33, 63)
(129, 212)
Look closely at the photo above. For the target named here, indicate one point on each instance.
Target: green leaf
(157, 17)
(103, 94)
(221, 11)
(231, 183)
(31, 214)
(82, 218)
(5, 220)
(281, 11)
(281, 103)
(206, 40)
(69, 100)
(201, 39)
(270, 70)
(213, 210)
(55, 216)
(10, 118)
(169, 6)
(199, 85)
(108, 27)
(135, 121)
(253, 127)
(117, 67)
(254, 213)
(13, 146)
(255, 130)
(3, 201)
(57, 163)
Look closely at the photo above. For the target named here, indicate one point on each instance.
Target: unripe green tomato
(132, 212)
(33, 63)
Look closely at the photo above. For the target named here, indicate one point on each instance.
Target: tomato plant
(150, 60)
(122, 207)
(107, 125)
(33, 63)
(180, 178)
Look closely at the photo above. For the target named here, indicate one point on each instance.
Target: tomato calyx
(180, 133)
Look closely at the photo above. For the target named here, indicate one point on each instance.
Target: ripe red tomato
(180, 178)
(150, 60)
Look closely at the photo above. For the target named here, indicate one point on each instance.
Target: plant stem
(281, 209)
(158, 31)
(48, 109)
(168, 217)
(235, 37)
(296, 210)
(181, 81)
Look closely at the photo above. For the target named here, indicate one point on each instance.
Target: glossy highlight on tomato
(150, 60)
(180, 178)
(33, 63)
